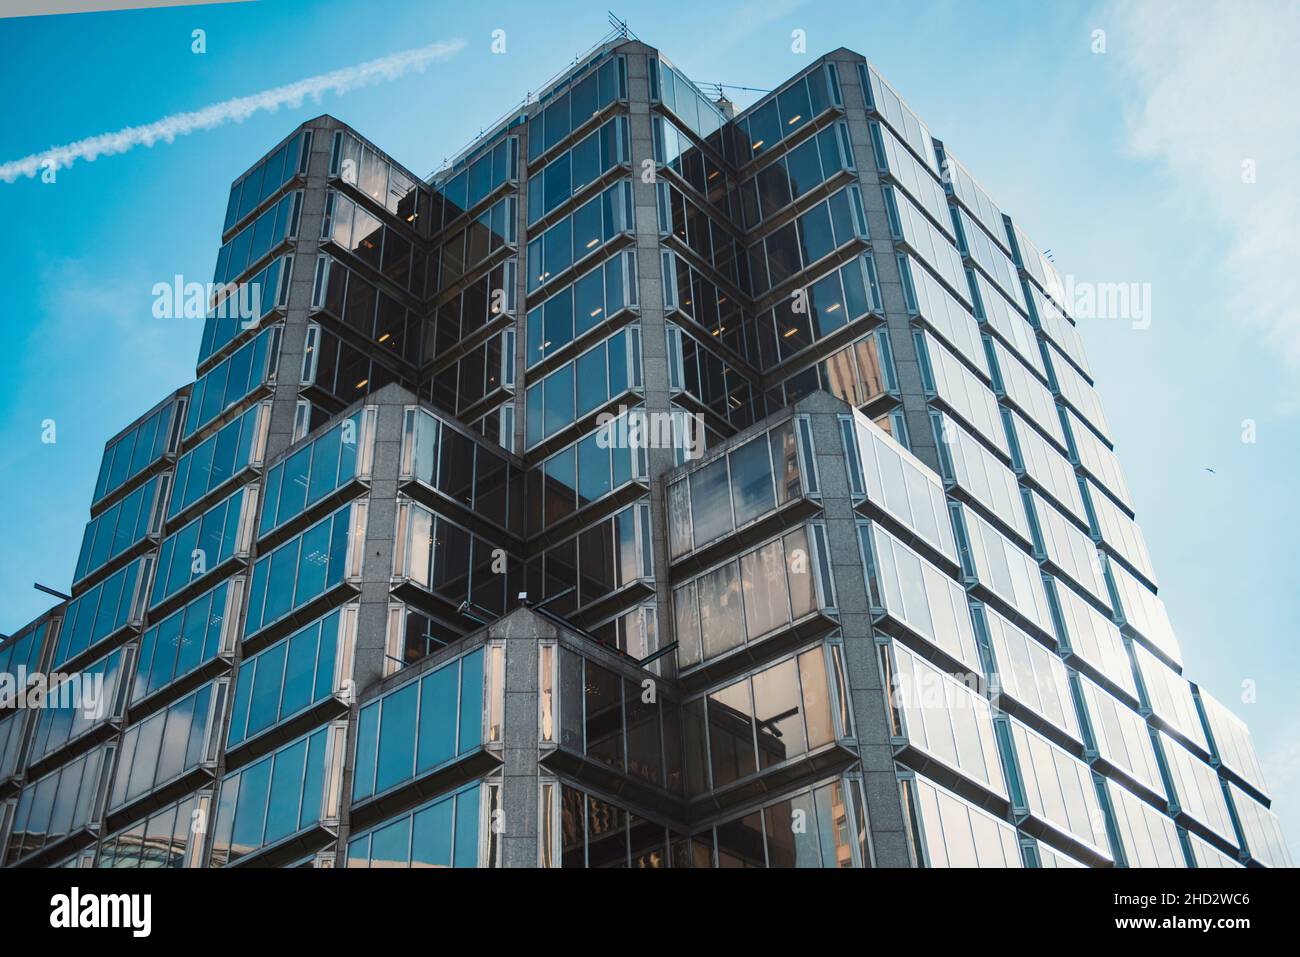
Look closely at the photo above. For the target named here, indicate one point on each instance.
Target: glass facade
(695, 496)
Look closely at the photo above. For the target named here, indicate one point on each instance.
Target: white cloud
(1209, 88)
(239, 109)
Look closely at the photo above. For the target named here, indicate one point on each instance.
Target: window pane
(604, 719)
(467, 812)
(391, 846)
(593, 389)
(791, 833)
(816, 697)
(762, 575)
(751, 480)
(606, 834)
(776, 714)
(559, 399)
(710, 502)
(286, 792)
(740, 842)
(731, 733)
(721, 621)
(396, 740)
(815, 237)
(431, 836)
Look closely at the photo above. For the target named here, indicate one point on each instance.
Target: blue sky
(1127, 164)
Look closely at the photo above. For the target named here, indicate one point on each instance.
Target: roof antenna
(620, 26)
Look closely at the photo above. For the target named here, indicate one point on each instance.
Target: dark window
(731, 733)
(805, 167)
(794, 107)
(456, 475)
(783, 253)
(773, 188)
(815, 237)
(604, 716)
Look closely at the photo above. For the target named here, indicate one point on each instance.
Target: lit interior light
(789, 332)
(597, 311)
(832, 307)
(363, 383)
(758, 145)
(592, 243)
(546, 344)
(794, 119)
(386, 335)
(713, 175)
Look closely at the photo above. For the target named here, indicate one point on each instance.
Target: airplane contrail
(239, 109)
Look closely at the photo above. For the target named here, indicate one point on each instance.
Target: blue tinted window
(418, 730)
(311, 473)
(536, 428)
(593, 470)
(114, 531)
(286, 792)
(618, 370)
(284, 679)
(559, 399)
(442, 833)
(438, 715)
(239, 709)
(751, 479)
(363, 784)
(431, 835)
(231, 380)
(131, 453)
(467, 810)
(710, 501)
(93, 616)
(471, 701)
(214, 533)
(293, 482)
(391, 845)
(298, 571)
(815, 236)
(593, 390)
(273, 798)
(210, 464)
(299, 671)
(250, 809)
(396, 737)
(257, 239)
(313, 788)
(267, 680)
(279, 581)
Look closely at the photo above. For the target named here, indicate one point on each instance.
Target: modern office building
(656, 485)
